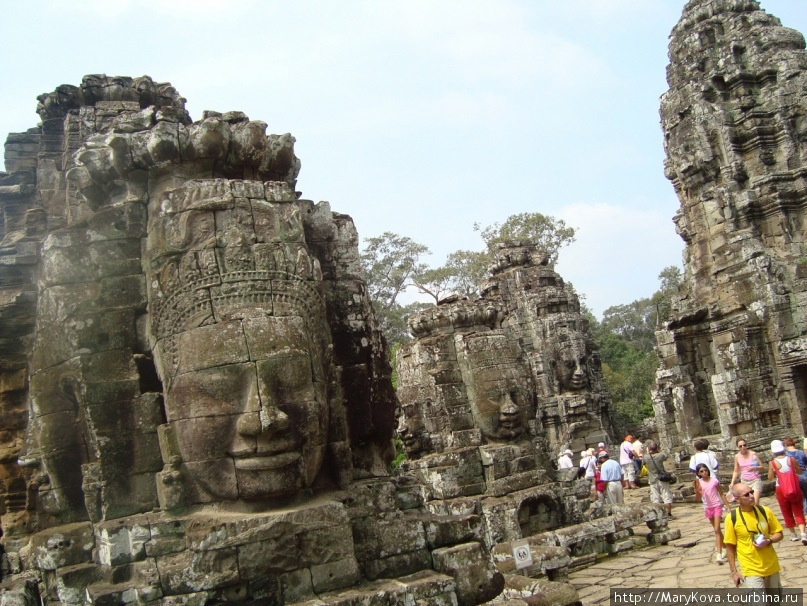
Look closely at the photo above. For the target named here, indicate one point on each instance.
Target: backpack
(788, 480)
(758, 508)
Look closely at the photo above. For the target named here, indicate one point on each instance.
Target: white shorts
(660, 493)
(629, 472)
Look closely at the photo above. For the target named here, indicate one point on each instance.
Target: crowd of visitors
(750, 528)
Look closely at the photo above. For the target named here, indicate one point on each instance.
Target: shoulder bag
(662, 474)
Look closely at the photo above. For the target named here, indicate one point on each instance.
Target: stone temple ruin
(734, 356)
(486, 394)
(196, 398)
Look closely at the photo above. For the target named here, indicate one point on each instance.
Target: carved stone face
(572, 373)
(498, 382)
(411, 429)
(92, 86)
(571, 366)
(249, 407)
(499, 406)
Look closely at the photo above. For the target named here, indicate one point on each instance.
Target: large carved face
(571, 363)
(498, 385)
(411, 429)
(248, 406)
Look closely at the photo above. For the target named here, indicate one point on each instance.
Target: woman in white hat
(786, 471)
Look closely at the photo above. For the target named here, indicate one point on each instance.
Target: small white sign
(522, 554)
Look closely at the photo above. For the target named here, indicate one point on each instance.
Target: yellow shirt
(754, 562)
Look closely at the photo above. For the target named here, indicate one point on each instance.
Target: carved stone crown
(455, 316)
(97, 88)
(517, 253)
(486, 350)
(203, 283)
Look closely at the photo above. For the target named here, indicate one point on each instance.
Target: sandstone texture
(196, 397)
(490, 389)
(734, 355)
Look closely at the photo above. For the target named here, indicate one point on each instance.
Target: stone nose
(261, 415)
(509, 407)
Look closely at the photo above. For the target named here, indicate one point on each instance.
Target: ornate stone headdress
(455, 316)
(211, 255)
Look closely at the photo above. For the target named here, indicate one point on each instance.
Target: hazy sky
(419, 117)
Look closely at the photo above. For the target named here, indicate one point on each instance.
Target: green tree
(626, 340)
(462, 274)
(392, 263)
(671, 280)
(389, 261)
(547, 232)
(394, 319)
(464, 270)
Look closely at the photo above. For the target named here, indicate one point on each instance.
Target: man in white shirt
(638, 448)
(707, 457)
(565, 460)
(626, 461)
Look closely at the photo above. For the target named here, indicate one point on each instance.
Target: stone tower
(734, 355)
(530, 321)
(543, 314)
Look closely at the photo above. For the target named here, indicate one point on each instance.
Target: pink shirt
(625, 448)
(749, 470)
(711, 498)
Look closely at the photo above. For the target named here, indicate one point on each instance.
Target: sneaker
(794, 538)
(721, 559)
(804, 538)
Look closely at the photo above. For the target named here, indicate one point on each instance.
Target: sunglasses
(750, 493)
(740, 445)
(703, 471)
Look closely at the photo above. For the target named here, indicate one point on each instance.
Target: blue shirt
(610, 471)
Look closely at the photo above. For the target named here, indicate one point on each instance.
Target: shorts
(629, 472)
(771, 582)
(660, 492)
(714, 512)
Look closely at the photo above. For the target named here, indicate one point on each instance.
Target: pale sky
(419, 117)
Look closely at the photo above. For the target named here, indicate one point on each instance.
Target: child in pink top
(708, 489)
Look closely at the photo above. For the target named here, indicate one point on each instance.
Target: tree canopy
(393, 263)
(626, 340)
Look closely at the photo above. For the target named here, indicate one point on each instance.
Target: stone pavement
(687, 562)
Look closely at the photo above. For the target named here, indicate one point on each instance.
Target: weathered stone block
(64, 546)
(450, 530)
(396, 565)
(121, 544)
(192, 571)
(335, 574)
(476, 581)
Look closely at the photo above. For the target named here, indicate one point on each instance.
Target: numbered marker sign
(522, 554)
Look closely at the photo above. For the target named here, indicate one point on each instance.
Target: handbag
(662, 474)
